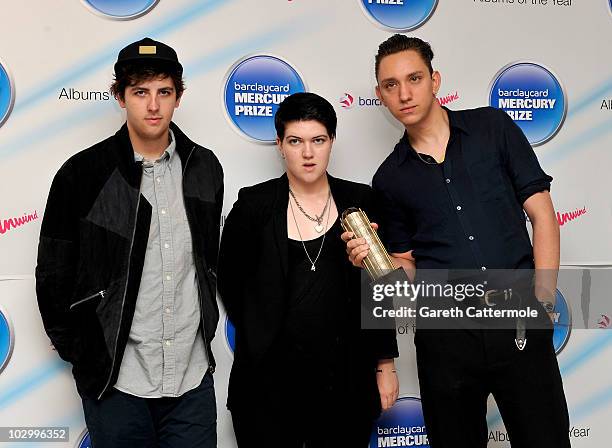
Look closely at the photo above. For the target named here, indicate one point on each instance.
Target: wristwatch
(549, 307)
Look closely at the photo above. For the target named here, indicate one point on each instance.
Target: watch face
(548, 306)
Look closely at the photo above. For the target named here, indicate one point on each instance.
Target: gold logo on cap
(147, 49)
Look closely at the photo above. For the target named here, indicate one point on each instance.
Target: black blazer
(252, 282)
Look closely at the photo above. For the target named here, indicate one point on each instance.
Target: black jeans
(121, 420)
(459, 368)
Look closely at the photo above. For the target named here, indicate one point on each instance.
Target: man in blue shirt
(453, 195)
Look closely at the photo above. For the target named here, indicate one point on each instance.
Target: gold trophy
(377, 263)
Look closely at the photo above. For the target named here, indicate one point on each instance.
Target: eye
(139, 92)
(320, 140)
(293, 141)
(415, 78)
(390, 85)
(165, 92)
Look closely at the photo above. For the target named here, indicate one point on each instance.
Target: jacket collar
(130, 168)
(342, 198)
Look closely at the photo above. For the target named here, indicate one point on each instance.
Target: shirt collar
(405, 149)
(168, 152)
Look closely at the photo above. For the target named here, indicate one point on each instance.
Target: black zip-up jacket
(92, 247)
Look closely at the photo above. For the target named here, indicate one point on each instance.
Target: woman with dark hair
(302, 368)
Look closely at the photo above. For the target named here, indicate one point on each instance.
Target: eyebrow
(301, 138)
(147, 89)
(418, 72)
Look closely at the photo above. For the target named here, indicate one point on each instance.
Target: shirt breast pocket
(488, 179)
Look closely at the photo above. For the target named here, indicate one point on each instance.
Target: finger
(355, 242)
(374, 225)
(347, 236)
(359, 256)
(410, 255)
(383, 402)
(387, 402)
(358, 250)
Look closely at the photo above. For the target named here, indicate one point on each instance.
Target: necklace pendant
(313, 268)
(319, 228)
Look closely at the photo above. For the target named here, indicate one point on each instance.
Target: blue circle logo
(533, 97)
(120, 9)
(84, 441)
(402, 425)
(7, 339)
(254, 88)
(562, 320)
(7, 93)
(399, 15)
(230, 335)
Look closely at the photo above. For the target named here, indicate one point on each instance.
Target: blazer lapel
(281, 203)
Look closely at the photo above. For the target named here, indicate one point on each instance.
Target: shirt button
(168, 277)
(166, 246)
(471, 238)
(458, 207)
(163, 211)
(448, 181)
(168, 310)
(158, 179)
(168, 342)
(483, 268)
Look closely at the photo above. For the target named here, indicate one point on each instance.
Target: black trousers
(293, 428)
(121, 420)
(459, 368)
(293, 419)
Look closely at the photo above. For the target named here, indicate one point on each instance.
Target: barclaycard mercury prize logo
(604, 320)
(533, 97)
(120, 9)
(230, 335)
(402, 425)
(346, 101)
(562, 322)
(398, 15)
(254, 88)
(84, 441)
(7, 339)
(7, 93)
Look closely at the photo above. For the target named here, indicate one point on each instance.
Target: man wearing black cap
(126, 266)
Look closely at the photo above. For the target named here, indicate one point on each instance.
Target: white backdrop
(49, 48)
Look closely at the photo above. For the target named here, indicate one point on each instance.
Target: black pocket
(487, 179)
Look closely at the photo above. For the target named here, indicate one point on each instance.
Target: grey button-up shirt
(165, 354)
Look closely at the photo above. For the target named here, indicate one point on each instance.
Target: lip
(153, 120)
(408, 109)
(309, 166)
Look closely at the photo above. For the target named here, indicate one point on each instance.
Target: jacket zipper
(99, 293)
(110, 375)
(210, 367)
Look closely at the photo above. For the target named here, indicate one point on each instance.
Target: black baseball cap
(148, 49)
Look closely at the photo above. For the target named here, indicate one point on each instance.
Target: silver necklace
(318, 218)
(312, 263)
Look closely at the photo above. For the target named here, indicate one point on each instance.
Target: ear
(280, 147)
(121, 102)
(379, 95)
(178, 102)
(437, 81)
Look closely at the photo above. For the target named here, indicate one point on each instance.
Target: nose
(405, 92)
(307, 150)
(153, 105)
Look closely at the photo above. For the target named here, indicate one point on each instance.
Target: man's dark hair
(400, 42)
(130, 74)
(305, 106)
